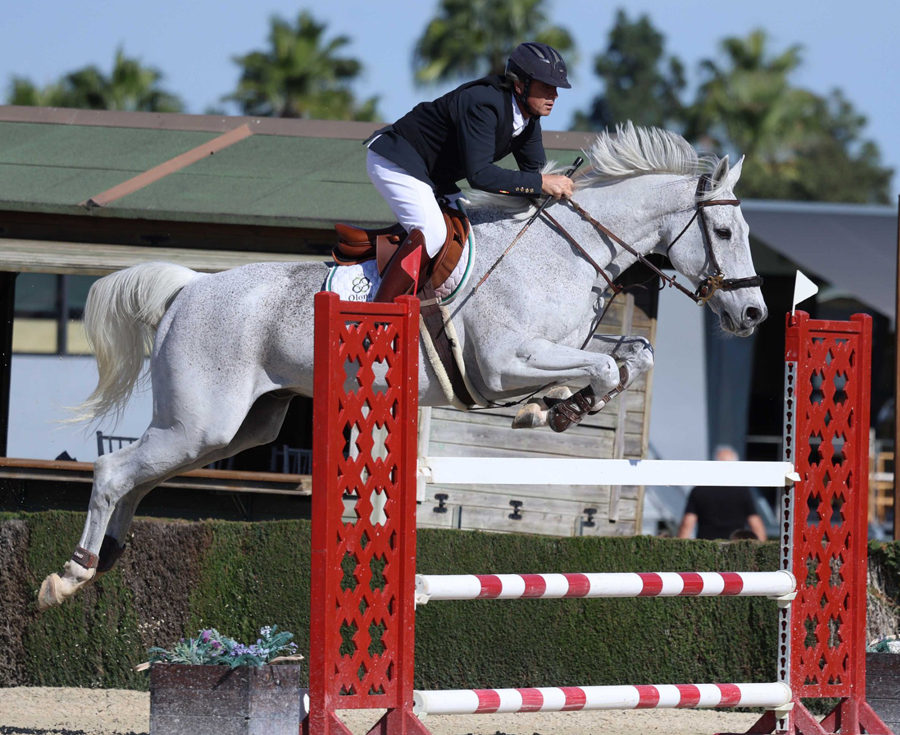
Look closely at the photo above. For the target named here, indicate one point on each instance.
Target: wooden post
(7, 309)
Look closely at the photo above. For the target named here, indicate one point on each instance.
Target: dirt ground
(36, 711)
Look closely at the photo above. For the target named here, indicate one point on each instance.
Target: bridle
(712, 283)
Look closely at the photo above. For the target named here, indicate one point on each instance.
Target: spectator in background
(721, 512)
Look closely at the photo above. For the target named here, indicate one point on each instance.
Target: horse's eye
(723, 233)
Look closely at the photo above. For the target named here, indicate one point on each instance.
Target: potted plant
(883, 679)
(214, 684)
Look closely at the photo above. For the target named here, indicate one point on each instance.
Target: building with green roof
(84, 193)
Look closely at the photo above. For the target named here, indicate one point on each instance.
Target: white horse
(230, 350)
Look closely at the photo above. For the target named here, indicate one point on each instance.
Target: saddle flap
(357, 244)
(385, 247)
(447, 259)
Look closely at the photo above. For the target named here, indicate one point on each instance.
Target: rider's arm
(529, 154)
(479, 119)
(688, 524)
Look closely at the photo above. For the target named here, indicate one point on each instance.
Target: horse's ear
(721, 171)
(735, 173)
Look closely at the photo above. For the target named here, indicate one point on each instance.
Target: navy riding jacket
(460, 136)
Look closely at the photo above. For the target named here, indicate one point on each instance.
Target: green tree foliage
(798, 145)
(639, 82)
(301, 74)
(131, 87)
(471, 38)
(23, 91)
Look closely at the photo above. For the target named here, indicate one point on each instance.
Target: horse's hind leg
(82, 567)
(261, 426)
(166, 449)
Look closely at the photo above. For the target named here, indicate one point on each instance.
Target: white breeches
(412, 201)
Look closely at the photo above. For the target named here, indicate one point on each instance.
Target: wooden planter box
(883, 687)
(216, 700)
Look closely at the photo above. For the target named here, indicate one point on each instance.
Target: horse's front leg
(539, 362)
(634, 356)
(561, 410)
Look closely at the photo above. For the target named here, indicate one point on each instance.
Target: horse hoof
(530, 416)
(50, 596)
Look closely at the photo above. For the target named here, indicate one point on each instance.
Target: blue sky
(848, 45)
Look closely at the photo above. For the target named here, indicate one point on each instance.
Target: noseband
(716, 281)
(712, 283)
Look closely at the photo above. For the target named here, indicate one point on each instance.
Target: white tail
(122, 313)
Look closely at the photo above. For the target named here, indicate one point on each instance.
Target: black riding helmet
(539, 61)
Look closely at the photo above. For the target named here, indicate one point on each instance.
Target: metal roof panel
(289, 173)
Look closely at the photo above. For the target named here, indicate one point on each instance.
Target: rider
(460, 136)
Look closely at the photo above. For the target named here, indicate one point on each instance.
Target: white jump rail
(774, 695)
(575, 471)
(777, 585)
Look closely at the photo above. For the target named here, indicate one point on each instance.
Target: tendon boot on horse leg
(405, 270)
(571, 411)
(110, 552)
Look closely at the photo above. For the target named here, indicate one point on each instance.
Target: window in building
(48, 314)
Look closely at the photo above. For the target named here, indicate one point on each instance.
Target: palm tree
(469, 38)
(301, 75)
(798, 144)
(749, 105)
(640, 83)
(24, 92)
(130, 87)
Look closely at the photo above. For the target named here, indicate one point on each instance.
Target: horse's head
(714, 254)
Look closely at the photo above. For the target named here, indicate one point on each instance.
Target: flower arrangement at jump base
(211, 647)
(213, 683)
(885, 644)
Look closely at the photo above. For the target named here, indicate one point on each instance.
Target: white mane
(628, 151)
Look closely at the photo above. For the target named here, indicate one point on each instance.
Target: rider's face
(541, 97)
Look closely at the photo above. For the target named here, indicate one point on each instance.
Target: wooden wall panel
(620, 430)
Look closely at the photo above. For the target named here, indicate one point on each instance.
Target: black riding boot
(396, 280)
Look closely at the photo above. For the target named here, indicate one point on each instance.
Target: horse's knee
(606, 376)
(644, 354)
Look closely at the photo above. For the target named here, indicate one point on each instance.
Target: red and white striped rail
(555, 586)
(567, 699)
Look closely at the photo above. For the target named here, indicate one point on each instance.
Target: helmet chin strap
(523, 99)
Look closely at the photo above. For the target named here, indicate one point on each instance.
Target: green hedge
(178, 577)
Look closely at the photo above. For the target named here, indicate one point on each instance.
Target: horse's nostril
(752, 315)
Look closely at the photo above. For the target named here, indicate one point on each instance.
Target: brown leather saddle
(358, 245)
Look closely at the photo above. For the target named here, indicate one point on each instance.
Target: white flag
(803, 289)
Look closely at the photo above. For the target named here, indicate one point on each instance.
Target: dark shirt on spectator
(720, 510)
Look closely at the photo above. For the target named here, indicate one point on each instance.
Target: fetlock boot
(405, 269)
(569, 412)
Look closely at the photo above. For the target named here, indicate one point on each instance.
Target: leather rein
(712, 283)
